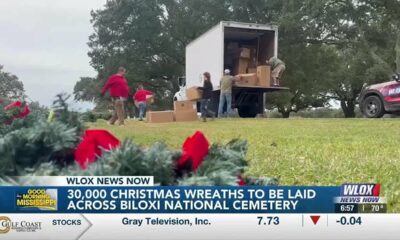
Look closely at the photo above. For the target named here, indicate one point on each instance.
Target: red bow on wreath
(194, 150)
(91, 145)
(21, 111)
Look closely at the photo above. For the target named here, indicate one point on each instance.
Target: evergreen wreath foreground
(46, 144)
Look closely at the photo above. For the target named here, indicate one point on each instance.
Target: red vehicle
(378, 99)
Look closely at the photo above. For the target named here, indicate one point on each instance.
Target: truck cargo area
(243, 48)
(261, 44)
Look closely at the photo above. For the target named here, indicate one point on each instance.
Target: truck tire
(249, 111)
(372, 107)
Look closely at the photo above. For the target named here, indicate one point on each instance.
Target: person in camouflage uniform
(277, 68)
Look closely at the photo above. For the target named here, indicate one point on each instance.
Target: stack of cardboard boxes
(160, 116)
(183, 110)
(242, 58)
(157, 116)
(193, 94)
(187, 110)
(245, 67)
(264, 75)
(247, 74)
(260, 76)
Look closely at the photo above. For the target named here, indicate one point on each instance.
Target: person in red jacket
(140, 99)
(119, 91)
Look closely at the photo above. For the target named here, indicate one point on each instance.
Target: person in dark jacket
(206, 96)
(119, 91)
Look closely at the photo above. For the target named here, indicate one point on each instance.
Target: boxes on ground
(193, 93)
(185, 111)
(184, 116)
(264, 75)
(184, 106)
(249, 79)
(160, 116)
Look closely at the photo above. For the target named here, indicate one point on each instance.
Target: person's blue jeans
(204, 108)
(225, 98)
(142, 109)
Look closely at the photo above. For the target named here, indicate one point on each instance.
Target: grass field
(297, 151)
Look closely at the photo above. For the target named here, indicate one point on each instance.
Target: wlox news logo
(360, 193)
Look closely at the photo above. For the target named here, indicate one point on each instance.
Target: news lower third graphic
(6, 225)
(360, 198)
(37, 199)
(106, 208)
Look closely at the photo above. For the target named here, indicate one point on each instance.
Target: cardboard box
(264, 76)
(245, 53)
(159, 116)
(193, 94)
(249, 79)
(149, 99)
(183, 106)
(241, 65)
(252, 50)
(252, 70)
(185, 116)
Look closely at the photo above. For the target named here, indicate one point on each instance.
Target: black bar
(372, 208)
(346, 208)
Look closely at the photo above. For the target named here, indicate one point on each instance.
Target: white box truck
(212, 52)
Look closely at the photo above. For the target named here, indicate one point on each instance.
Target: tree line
(331, 47)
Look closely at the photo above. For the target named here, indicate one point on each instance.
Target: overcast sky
(44, 43)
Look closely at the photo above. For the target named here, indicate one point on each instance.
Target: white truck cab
(181, 94)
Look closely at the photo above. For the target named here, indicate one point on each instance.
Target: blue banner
(172, 199)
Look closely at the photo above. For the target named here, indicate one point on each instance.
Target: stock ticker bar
(91, 209)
